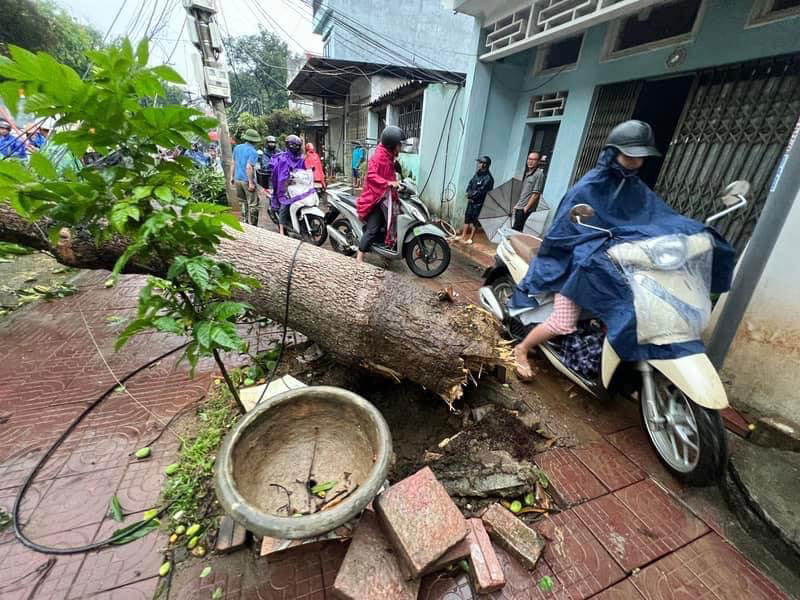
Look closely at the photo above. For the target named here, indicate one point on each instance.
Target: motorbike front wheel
(688, 439)
(316, 233)
(427, 255)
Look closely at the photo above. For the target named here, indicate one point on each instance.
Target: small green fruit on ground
(165, 568)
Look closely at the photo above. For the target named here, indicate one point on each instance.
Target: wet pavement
(629, 530)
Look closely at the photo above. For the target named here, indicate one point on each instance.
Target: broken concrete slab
(371, 569)
(458, 552)
(421, 520)
(250, 395)
(272, 547)
(776, 432)
(487, 573)
(762, 486)
(230, 536)
(487, 473)
(513, 535)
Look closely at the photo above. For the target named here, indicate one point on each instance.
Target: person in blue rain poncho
(573, 269)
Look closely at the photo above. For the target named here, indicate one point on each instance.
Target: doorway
(660, 103)
(543, 141)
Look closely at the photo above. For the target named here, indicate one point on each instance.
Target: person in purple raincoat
(283, 164)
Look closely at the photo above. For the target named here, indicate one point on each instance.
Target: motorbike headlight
(669, 253)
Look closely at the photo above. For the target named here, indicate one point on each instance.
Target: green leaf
(202, 333)
(116, 509)
(199, 274)
(322, 487)
(217, 595)
(225, 310)
(543, 480)
(168, 74)
(142, 191)
(168, 324)
(121, 213)
(546, 584)
(163, 193)
(134, 531)
(43, 167)
(224, 339)
(142, 52)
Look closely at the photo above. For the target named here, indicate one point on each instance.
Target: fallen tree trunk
(359, 314)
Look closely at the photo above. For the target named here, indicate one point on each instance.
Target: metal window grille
(547, 105)
(409, 117)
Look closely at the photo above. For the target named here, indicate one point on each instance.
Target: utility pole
(204, 34)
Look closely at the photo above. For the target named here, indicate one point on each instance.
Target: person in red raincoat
(314, 163)
(380, 178)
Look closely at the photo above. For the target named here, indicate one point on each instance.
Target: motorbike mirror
(581, 212)
(735, 191)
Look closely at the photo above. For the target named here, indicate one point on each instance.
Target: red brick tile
(670, 579)
(725, 571)
(513, 535)
(522, 584)
(608, 464)
(663, 516)
(624, 536)
(33, 496)
(116, 566)
(735, 422)
(371, 569)
(18, 565)
(578, 560)
(225, 578)
(569, 476)
(624, 590)
(141, 590)
(74, 501)
(633, 443)
(421, 520)
(487, 573)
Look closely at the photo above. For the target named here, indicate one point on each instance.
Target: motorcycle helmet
(633, 138)
(294, 144)
(392, 137)
(271, 141)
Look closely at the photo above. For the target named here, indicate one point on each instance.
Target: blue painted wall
(722, 38)
(422, 31)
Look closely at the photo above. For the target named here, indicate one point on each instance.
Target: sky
(291, 20)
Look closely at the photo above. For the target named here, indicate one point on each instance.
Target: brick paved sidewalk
(625, 533)
(49, 371)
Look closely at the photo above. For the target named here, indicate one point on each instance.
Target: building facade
(421, 33)
(719, 80)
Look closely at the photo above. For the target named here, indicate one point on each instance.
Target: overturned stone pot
(263, 465)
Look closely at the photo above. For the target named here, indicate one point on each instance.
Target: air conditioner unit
(207, 5)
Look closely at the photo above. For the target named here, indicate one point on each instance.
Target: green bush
(207, 185)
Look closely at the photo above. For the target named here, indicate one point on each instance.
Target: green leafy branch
(132, 195)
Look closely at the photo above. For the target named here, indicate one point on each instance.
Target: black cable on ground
(285, 324)
(29, 479)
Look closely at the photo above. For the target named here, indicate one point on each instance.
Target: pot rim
(309, 525)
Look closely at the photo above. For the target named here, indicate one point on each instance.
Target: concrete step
(762, 486)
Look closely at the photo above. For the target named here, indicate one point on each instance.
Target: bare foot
(523, 369)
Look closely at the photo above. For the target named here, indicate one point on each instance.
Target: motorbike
(421, 243)
(679, 398)
(308, 220)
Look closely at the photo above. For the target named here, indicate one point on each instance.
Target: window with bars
(766, 11)
(357, 125)
(409, 117)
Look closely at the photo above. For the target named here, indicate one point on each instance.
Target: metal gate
(735, 125)
(612, 104)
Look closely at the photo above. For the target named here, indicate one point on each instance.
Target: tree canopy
(280, 123)
(40, 25)
(258, 72)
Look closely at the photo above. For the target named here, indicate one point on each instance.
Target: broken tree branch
(359, 314)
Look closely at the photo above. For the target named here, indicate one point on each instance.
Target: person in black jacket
(480, 184)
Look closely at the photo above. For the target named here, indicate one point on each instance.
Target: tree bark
(361, 315)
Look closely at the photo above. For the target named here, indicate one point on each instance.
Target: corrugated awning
(331, 79)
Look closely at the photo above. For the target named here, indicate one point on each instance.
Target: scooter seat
(347, 199)
(526, 246)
